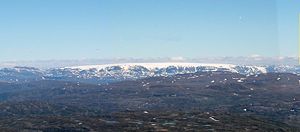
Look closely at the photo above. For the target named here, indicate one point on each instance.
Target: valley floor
(210, 101)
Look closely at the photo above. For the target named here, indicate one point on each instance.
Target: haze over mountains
(251, 60)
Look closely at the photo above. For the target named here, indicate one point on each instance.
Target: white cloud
(255, 56)
(179, 58)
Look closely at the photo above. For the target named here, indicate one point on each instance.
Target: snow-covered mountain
(137, 70)
(117, 72)
(130, 71)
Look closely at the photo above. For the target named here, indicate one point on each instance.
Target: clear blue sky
(78, 29)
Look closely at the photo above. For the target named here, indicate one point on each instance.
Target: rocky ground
(210, 101)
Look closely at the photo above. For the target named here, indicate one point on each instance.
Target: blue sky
(79, 29)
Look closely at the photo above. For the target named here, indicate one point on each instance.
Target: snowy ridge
(129, 71)
(152, 65)
(139, 70)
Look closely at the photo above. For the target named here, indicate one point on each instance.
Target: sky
(97, 29)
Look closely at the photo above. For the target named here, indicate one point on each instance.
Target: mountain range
(102, 74)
